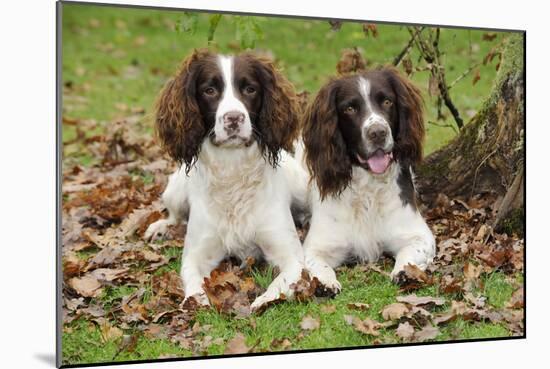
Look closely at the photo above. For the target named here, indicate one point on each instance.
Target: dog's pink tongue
(379, 162)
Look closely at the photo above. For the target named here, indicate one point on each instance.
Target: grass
(82, 341)
(116, 59)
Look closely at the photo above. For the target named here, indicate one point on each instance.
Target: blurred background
(116, 60)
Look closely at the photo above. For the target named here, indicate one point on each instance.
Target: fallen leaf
(281, 344)
(230, 291)
(72, 265)
(358, 306)
(405, 331)
(421, 300)
(87, 285)
(108, 332)
(394, 311)
(108, 275)
(412, 278)
(309, 323)
(516, 301)
(444, 318)
(429, 332)
(237, 345)
(366, 326)
(471, 271)
(458, 307)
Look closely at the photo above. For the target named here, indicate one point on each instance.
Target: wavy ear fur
(278, 121)
(179, 125)
(325, 149)
(410, 130)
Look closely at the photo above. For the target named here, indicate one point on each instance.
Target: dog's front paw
(264, 300)
(157, 230)
(200, 298)
(328, 285)
(327, 288)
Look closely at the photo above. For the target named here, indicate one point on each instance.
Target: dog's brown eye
(387, 103)
(350, 110)
(210, 91)
(249, 90)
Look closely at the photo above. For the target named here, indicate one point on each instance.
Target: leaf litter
(107, 206)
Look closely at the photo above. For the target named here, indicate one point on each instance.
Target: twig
(431, 54)
(443, 125)
(477, 170)
(464, 74)
(449, 103)
(407, 47)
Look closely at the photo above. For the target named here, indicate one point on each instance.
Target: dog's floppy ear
(325, 148)
(410, 130)
(179, 125)
(278, 120)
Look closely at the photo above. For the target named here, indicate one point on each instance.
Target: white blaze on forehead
(364, 89)
(226, 66)
(371, 116)
(229, 101)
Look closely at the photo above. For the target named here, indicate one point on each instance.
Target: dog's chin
(376, 162)
(232, 142)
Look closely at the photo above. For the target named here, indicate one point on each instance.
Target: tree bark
(488, 153)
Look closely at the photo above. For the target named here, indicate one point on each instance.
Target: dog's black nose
(377, 133)
(232, 120)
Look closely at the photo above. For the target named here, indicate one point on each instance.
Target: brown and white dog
(231, 121)
(363, 135)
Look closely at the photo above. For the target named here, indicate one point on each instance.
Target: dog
(231, 122)
(363, 135)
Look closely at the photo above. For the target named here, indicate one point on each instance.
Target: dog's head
(366, 120)
(231, 101)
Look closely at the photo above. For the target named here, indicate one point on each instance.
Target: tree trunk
(488, 153)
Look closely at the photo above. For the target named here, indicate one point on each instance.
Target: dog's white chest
(231, 198)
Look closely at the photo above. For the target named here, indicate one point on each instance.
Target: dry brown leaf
(449, 284)
(304, 289)
(72, 265)
(458, 307)
(429, 332)
(471, 271)
(237, 345)
(108, 332)
(444, 318)
(412, 278)
(229, 291)
(310, 323)
(358, 306)
(108, 275)
(366, 326)
(405, 331)
(394, 311)
(281, 344)
(87, 285)
(516, 301)
(421, 300)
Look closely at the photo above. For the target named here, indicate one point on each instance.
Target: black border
(59, 180)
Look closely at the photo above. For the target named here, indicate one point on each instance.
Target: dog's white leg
(325, 248)
(321, 258)
(174, 198)
(281, 247)
(411, 244)
(201, 254)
